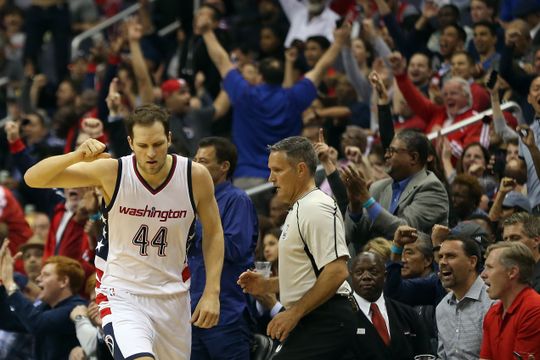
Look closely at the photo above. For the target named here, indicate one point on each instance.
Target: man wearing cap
(525, 228)
(32, 255)
(508, 201)
(473, 231)
(517, 202)
(189, 125)
(264, 113)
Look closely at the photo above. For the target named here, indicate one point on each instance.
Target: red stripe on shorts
(186, 274)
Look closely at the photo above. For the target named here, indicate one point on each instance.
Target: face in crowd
(455, 265)
(368, 274)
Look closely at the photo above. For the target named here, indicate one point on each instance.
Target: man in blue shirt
(230, 339)
(61, 278)
(265, 113)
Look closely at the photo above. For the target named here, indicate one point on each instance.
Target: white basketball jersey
(146, 231)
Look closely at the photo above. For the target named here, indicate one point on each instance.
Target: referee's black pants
(325, 333)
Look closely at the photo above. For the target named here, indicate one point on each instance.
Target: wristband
(396, 249)
(95, 216)
(368, 203)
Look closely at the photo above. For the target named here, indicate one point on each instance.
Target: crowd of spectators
(444, 234)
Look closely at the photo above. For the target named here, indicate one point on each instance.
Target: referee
(318, 321)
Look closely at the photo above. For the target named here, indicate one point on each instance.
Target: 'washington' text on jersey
(163, 215)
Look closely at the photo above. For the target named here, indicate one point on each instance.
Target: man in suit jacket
(386, 329)
(412, 196)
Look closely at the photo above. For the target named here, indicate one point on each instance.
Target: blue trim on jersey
(190, 186)
(116, 186)
(136, 356)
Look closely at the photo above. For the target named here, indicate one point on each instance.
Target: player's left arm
(206, 313)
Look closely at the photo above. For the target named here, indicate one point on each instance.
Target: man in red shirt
(458, 105)
(512, 326)
(12, 215)
(67, 236)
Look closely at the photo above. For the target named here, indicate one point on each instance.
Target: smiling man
(511, 328)
(457, 105)
(412, 195)
(60, 280)
(461, 312)
(318, 321)
(419, 71)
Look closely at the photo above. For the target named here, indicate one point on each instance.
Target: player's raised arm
(206, 313)
(80, 168)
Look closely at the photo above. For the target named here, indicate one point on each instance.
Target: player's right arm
(79, 168)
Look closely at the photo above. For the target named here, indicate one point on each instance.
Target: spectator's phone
(492, 79)
(509, 182)
(352, 14)
(350, 17)
(523, 132)
(499, 164)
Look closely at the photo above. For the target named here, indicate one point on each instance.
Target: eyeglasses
(392, 150)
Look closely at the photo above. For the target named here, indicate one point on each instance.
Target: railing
(77, 40)
(471, 120)
(447, 130)
(169, 28)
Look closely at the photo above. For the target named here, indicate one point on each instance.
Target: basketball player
(150, 200)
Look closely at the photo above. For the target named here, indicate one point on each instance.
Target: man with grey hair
(510, 328)
(318, 321)
(457, 106)
(525, 228)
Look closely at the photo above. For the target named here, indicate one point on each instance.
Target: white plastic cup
(425, 357)
(263, 267)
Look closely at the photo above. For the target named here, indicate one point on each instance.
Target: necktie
(379, 324)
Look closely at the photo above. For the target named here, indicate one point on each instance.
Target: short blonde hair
(380, 246)
(514, 253)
